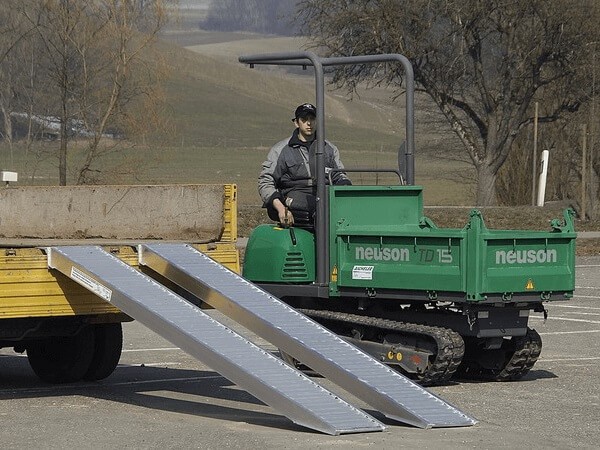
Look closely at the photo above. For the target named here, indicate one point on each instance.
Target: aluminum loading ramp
(341, 362)
(169, 315)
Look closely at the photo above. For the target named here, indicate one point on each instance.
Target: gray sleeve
(338, 177)
(267, 180)
(336, 157)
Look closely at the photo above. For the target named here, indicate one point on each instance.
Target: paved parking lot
(159, 397)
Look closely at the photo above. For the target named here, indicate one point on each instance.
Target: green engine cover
(280, 255)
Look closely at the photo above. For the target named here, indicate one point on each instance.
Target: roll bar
(394, 171)
(305, 59)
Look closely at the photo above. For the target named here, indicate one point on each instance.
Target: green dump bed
(381, 244)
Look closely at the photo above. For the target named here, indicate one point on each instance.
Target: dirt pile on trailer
(171, 212)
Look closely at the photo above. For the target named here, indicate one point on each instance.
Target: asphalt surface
(588, 234)
(159, 397)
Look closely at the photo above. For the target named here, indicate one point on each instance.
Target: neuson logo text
(382, 254)
(526, 256)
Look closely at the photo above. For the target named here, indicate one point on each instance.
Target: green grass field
(226, 116)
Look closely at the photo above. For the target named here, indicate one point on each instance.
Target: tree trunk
(62, 154)
(594, 203)
(486, 185)
(8, 133)
(64, 86)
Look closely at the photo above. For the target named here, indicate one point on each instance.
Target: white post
(543, 178)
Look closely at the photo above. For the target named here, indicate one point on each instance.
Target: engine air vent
(294, 267)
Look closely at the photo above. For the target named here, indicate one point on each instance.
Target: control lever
(288, 203)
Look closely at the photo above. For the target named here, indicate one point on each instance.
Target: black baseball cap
(305, 109)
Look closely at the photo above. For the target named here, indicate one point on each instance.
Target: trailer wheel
(62, 359)
(108, 343)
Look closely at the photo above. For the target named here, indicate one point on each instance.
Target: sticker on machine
(91, 284)
(362, 272)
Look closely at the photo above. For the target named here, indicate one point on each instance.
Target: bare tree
(563, 171)
(564, 139)
(482, 63)
(14, 36)
(97, 67)
(116, 70)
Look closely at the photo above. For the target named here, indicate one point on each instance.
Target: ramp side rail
(370, 380)
(263, 375)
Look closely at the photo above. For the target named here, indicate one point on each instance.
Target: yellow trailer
(69, 333)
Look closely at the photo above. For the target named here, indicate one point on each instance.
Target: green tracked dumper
(436, 303)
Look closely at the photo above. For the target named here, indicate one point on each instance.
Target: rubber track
(526, 353)
(450, 344)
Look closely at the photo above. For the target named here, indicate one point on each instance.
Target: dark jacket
(287, 173)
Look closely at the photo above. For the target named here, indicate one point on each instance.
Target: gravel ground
(159, 397)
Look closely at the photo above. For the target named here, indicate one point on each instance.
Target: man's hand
(285, 215)
(286, 218)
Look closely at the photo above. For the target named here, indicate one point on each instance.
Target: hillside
(226, 116)
(209, 75)
(367, 129)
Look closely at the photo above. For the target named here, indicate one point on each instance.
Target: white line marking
(595, 322)
(162, 349)
(588, 265)
(552, 333)
(571, 365)
(65, 387)
(575, 307)
(167, 363)
(587, 296)
(594, 358)
(164, 380)
(586, 287)
(583, 313)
